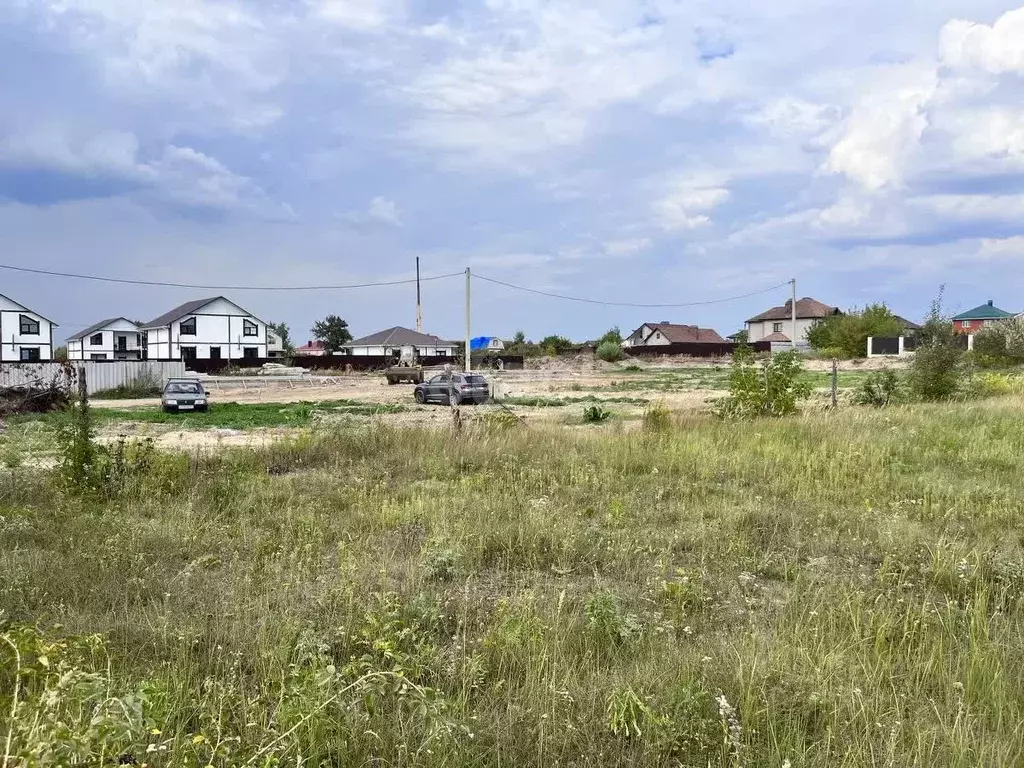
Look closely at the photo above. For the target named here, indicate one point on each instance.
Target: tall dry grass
(830, 590)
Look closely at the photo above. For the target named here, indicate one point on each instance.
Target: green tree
(740, 337)
(60, 354)
(554, 344)
(519, 338)
(333, 332)
(613, 335)
(284, 334)
(847, 335)
(938, 370)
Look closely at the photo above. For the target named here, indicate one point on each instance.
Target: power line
(625, 303)
(165, 284)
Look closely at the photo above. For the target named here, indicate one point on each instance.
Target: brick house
(663, 334)
(973, 320)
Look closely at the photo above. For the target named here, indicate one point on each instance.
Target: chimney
(666, 322)
(990, 302)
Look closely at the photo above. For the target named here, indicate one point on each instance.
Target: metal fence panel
(98, 375)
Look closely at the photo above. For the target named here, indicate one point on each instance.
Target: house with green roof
(973, 320)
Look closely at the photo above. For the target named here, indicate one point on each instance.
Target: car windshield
(476, 380)
(183, 388)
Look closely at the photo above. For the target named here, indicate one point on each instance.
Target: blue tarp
(480, 342)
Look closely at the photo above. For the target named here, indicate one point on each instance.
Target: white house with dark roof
(776, 324)
(206, 329)
(663, 334)
(116, 338)
(25, 336)
(392, 340)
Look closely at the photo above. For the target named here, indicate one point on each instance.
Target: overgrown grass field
(837, 589)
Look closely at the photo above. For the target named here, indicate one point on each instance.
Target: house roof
(398, 337)
(311, 345)
(806, 309)
(188, 308)
(910, 325)
(93, 328)
(687, 334)
(984, 312)
(776, 337)
(26, 309)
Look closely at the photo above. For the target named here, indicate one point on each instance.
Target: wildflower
(734, 732)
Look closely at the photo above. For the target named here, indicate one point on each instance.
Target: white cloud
(384, 211)
(358, 15)
(998, 48)
(380, 212)
(884, 128)
(627, 247)
(47, 146)
(687, 204)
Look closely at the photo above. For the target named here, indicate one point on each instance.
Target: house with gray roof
(391, 341)
(207, 329)
(116, 338)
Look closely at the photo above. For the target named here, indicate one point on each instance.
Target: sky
(630, 151)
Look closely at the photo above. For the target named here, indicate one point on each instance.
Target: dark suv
(467, 388)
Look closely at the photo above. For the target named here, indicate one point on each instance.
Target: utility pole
(793, 337)
(419, 305)
(469, 364)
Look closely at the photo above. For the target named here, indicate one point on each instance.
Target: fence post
(835, 383)
(970, 342)
(900, 352)
(870, 338)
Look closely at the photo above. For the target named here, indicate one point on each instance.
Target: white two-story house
(207, 329)
(117, 338)
(776, 324)
(25, 336)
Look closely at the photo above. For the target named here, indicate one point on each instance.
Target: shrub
(938, 370)
(771, 389)
(879, 389)
(846, 335)
(1000, 343)
(610, 352)
(595, 414)
(998, 384)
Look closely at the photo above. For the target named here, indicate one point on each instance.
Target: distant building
(311, 349)
(393, 340)
(776, 324)
(486, 344)
(116, 338)
(973, 320)
(663, 334)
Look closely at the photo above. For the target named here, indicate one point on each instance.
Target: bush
(879, 389)
(771, 389)
(595, 414)
(1000, 343)
(998, 384)
(846, 336)
(938, 370)
(609, 351)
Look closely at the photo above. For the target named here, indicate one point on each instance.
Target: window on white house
(98, 356)
(30, 354)
(96, 340)
(29, 327)
(187, 327)
(249, 328)
(777, 328)
(188, 353)
(250, 353)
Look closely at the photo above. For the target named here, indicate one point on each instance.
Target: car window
(183, 388)
(439, 379)
(476, 379)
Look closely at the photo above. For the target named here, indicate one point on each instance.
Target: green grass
(559, 402)
(837, 590)
(234, 415)
(688, 379)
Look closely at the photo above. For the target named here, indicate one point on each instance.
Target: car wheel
(420, 397)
